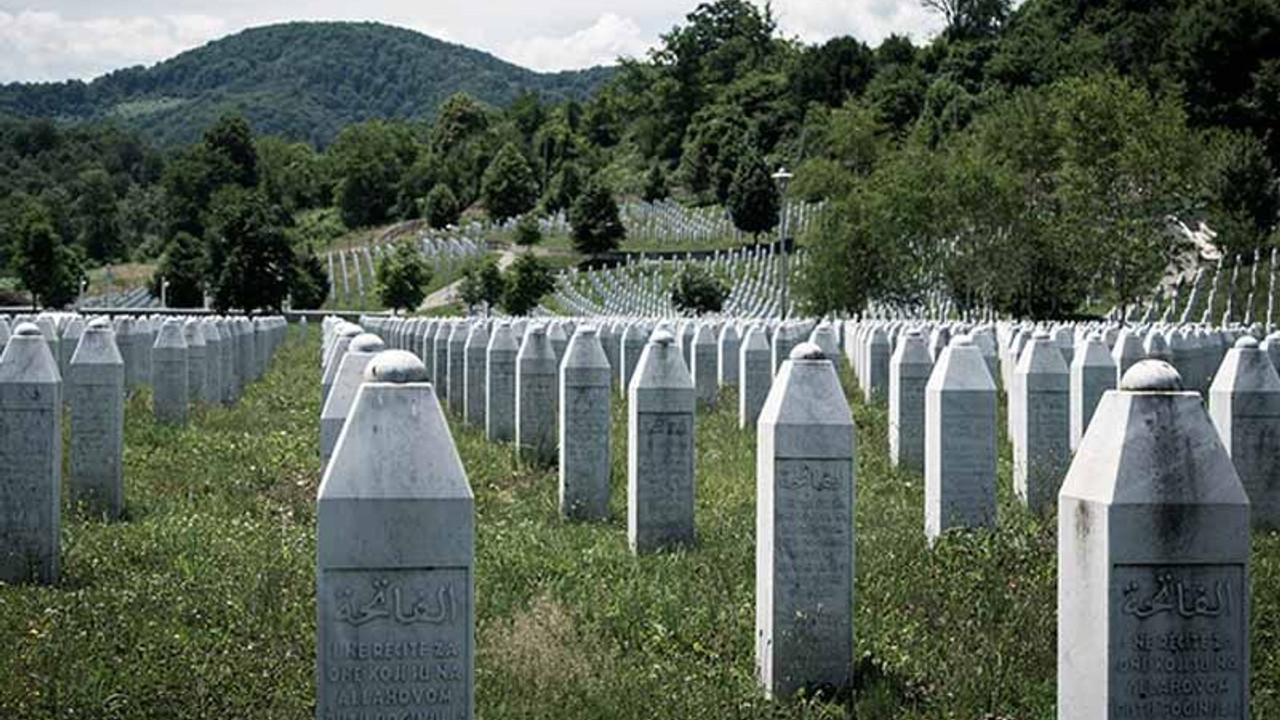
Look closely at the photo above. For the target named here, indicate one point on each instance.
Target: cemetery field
(202, 604)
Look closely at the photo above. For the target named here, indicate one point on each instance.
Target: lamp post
(783, 179)
(164, 292)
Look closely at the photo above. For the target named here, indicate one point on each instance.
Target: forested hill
(303, 81)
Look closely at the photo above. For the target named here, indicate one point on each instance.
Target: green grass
(202, 604)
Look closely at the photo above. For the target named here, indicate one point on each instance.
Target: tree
(233, 159)
(45, 266)
(527, 232)
(98, 229)
(594, 220)
(970, 19)
(370, 161)
(527, 281)
(698, 291)
(753, 197)
(401, 277)
(441, 207)
(183, 267)
(250, 260)
(482, 283)
(309, 285)
(564, 188)
(655, 184)
(509, 187)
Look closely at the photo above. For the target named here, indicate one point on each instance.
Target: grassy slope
(202, 605)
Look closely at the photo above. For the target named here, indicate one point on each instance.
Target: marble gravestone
(1093, 372)
(395, 557)
(1040, 422)
(440, 363)
(476, 352)
(806, 472)
(729, 342)
(362, 349)
(960, 441)
(660, 449)
(197, 359)
(703, 352)
(585, 393)
(344, 337)
(634, 339)
(909, 371)
(536, 397)
(31, 444)
(1244, 405)
(500, 385)
(95, 394)
(1153, 561)
(457, 359)
(755, 376)
(170, 401)
(213, 362)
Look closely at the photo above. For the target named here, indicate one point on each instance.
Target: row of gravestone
(1153, 528)
(444, 252)
(101, 359)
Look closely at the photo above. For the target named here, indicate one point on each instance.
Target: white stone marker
(634, 339)
(1244, 404)
(1041, 422)
(395, 557)
(660, 449)
(878, 352)
(585, 390)
(197, 359)
(440, 365)
(170, 401)
(31, 445)
(213, 362)
(755, 376)
(346, 383)
(805, 479)
(71, 332)
(500, 385)
(960, 441)
(476, 352)
(727, 361)
(704, 352)
(228, 365)
(536, 397)
(95, 394)
(909, 371)
(457, 367)
(1153, 562)
(1093, 372)
(346, 334)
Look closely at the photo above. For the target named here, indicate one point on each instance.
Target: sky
(63, 39)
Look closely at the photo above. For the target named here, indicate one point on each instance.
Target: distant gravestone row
(88, 365)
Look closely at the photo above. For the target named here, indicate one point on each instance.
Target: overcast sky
(60, 39)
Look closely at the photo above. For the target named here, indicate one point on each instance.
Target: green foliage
(309, 284)
(563, 189)
(753, 197)
(232, 158)
(292, 174)
(596, 227)
(441, 207)
(482, 284)
(45, 266)
(98, 231)
(250, 260)
(401, 277)
(699, 292)
(1243, 192)
(525, 283)
(369, 161)
(527, 232)
(183, 267)
(655, 184)
(509, 187)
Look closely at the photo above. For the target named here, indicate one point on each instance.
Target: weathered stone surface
(755, 376)
(345, 335)
(728, 362)
(95, 395)
(477, 352)
(395, 533)
(500, 385)
(634, 339)
(346, 383)
(169, 400)
(1153, 562)
(457, 359)
(909, 371)
(536, 397)
(704, 371)
(197, 359)
(660, 449)
(1093, 372)
(1244, 404)
(31, 445)
(806, 467)
(960, 442)
(585, 394)
(1041, 422)
(213, 362)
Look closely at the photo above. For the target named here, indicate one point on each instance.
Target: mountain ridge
(302, 80)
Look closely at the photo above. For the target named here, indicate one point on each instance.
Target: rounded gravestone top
(1041, 334)
(26, 329)
(963, 341)
(350, 331)
(366, 343)
(662, 337)
(1151, 376)
(807, 351)
(1247, 342)
(99, 323)
(395, 366)
(588, 330)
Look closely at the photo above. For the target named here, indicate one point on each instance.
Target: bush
(309, 286)
(655, 184)
(753, 197)
(441, 207)
(698, 291)
(509, 187)
(402, 276)
(183, 266)
(527, 281)
(527, 232)
(594, 217)
(482, 284)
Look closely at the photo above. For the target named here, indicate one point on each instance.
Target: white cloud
(868, 20)
(610, 37)
(37, 45)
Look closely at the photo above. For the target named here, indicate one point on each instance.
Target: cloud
(37, 45)
(602, 43)
(868, 20)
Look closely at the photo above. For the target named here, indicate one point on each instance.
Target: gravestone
(755, 376)
(1041, 422)
(1093, 372)
(536, 397)
(395, 557)
(909, 371)
(346, 382)
(169, 399)
(227, 367)
(878, 351)
(727, 361)
(500, 385)
(95, 394)
(213, 362)
(476, 352)
(458, 367)
(805, 478)
(1127, 351)
(31, 445)
(1244, 404)
(440, 365)
(660, 449)
(634, 339)
(705, 374)
(1153, 562)
(960, 441)
(346, 334)
(197, 362)
(585, 390)
(71, 332)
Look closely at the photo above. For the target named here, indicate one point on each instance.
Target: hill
(303, 81)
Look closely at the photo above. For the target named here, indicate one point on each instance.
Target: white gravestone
(1041, 422)
(395, 558)
(476, 352)
(197, 359)
(500, 385)
(95, 394)
(704, 351)
(755, 376)
(585, 390)
(170, 401)
(960, 441)
(728, 355)
(1093, 372)
(457, 360)
(213, 362)
(806, 474)
(909, 371)
(536, 397)
(1244, 404)
(346, 384)
(1153, 562)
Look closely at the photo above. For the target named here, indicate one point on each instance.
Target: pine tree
(527, 232)
(753, 197)
(183, 267)
(594, 217)
(45, 266)
(441, 207)
(309, 286)
(528, 280)
(655, 185)
(509, 187)
(401, 277)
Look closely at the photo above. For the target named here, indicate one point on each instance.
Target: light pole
(164, 292)
(783, 178)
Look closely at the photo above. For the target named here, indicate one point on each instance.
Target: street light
(783, 179)
(164, 292)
